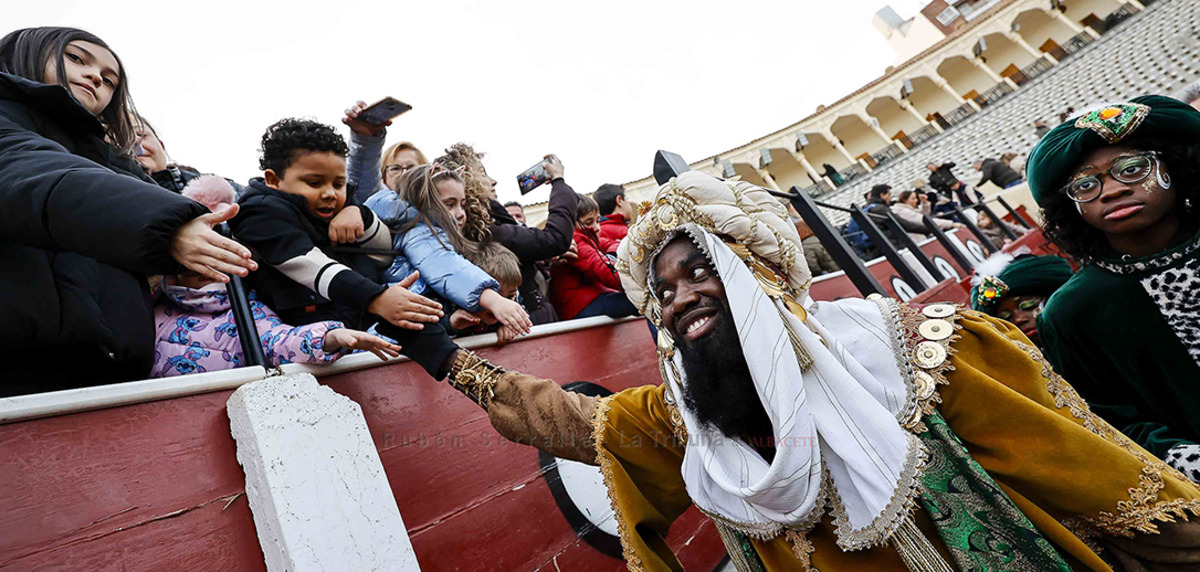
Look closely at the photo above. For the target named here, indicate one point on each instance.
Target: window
(948, 15)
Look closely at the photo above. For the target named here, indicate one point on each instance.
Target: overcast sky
(602, 84)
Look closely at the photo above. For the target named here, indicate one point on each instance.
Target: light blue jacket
(428, 250)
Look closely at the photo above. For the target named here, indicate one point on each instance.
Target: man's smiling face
(689, 289)
(695, 311)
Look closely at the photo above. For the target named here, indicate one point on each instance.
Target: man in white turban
(847, 435)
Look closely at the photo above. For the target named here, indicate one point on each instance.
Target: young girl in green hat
(1120, 190)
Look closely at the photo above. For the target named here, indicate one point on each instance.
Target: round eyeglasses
(1128, 170)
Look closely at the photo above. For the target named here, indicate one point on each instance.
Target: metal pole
(995, 219)
(912, 247)
(833, 242)
(1016, 215)
(970, 224)
(889, 250)
(243, 316)
(959, 257)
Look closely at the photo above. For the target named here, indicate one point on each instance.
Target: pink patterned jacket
(196, 332)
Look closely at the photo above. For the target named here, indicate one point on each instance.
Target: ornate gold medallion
(935, 329)
(938, 310)
(929, 354)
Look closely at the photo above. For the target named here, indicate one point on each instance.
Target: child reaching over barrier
(196, 330)
(290, 217)
(426, 218)
(501, 264)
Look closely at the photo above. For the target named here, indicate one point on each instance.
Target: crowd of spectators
(118, 259)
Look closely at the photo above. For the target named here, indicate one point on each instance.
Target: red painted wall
(156, 486)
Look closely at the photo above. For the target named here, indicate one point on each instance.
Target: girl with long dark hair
(80, 225)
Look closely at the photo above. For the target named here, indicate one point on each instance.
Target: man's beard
(719, 389)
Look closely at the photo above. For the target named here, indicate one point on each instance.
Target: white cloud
(603, 85)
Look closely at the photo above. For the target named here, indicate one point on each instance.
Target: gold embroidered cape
(1084, 485)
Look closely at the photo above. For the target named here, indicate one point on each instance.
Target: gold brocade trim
(1141, 511)
(474, 377)
(901, 505)
(604, 460)
(802, 549)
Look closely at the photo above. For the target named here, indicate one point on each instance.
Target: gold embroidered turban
(742, 213)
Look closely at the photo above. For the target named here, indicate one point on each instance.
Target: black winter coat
(532, 245)
(943, 180)
(999, 174)
(80, 228)
(276, 225)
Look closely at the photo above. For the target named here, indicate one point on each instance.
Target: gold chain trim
(802, 549)
(475, 377)
(599, 418)
(1142, 510)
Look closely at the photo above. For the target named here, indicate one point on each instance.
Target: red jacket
(576, 284)
(613, 227)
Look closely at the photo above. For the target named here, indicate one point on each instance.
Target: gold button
(875, 296)
(935, 329)
(938, 310)
(929, 354)
(925, 385)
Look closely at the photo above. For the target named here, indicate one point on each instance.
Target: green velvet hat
(1059, 152)
(1002, 275)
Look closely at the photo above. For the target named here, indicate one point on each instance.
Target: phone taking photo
(384, 110)
(533, 177)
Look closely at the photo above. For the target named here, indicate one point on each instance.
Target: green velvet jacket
(1126, 334)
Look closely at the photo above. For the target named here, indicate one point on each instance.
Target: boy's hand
(507, 312)
(362, 127)
(339, 338)
(403, 308)
(200, 249)
(462, 319)
(505, 334)
(347, 227)
(554, 167)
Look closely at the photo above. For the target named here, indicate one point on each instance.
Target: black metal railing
(243, 315)
(1072, 46)
(854, 171)
(1119, 15)
(959, 114)
(922, 135)
(994, 94)
(887, 154)
(822, 187)
(1035, 69)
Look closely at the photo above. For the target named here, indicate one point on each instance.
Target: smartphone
(533, 177)
(384, 110)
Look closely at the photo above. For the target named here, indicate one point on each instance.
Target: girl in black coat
(80, 226)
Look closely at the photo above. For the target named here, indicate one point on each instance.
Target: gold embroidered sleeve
(1068, 470)
(529, 410)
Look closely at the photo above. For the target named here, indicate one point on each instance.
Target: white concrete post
(316, 486)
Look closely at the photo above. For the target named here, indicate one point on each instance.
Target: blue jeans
(612, 304)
